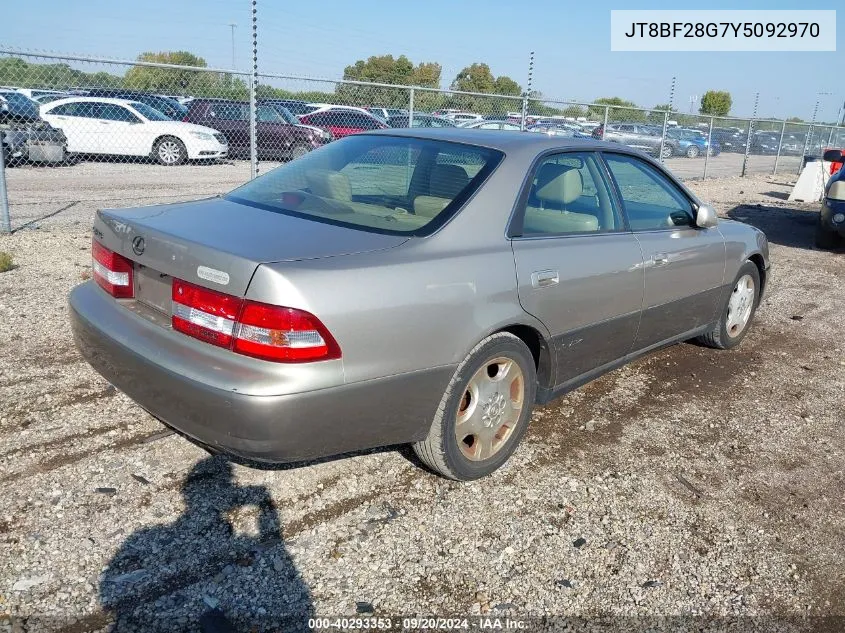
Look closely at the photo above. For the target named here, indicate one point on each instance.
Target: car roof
(71, 99)
(502, 140)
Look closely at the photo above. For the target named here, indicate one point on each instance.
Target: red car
(341, 122)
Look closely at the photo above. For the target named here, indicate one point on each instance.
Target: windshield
(286, 114)
(149, 112)
(378, 183)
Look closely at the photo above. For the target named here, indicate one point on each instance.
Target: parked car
(460, 117)
(24, 136)
(35, 93)
(295, 106)
(558, 129)
(385, 113)
(731, 139)
(291, 119)
(387, 290)
(420, 120)
(277, 138)
(830, 229)
(120, 127)
(170, 108)
(484, 124)
(692, 143)
(343, 121)
(638, 136)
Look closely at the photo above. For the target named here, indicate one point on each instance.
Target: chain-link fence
(121, 128)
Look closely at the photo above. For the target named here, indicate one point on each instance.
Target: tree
(621, 110)
(171, 80)
(504, 85)
(475, 78)
(427, 75)
(387, 70)
(658, 113)
(795, 119)
(715, 103)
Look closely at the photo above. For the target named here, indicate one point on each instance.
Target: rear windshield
(384, 184)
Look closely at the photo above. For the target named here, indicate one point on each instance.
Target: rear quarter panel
(414, 307)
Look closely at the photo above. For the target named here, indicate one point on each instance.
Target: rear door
(684, 265)
(579, 270)
(79, 123)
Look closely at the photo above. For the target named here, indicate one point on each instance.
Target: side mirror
(833, 156)
(705, 217)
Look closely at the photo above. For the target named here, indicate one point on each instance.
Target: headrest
(559, 183)
(429, 206)
(447, 181)
(329, 184)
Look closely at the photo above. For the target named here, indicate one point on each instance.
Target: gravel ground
(691, 483)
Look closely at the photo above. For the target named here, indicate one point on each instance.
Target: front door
(121, 132)
(579, 270)
(684, 264)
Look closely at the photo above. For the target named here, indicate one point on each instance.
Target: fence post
(253, 85)
(663, 134)
(604, 127)
(411, 108)
(5, 219)
(750, 132)
(780, 144)
(709, 147)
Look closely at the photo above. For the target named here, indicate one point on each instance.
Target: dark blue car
(692, 143)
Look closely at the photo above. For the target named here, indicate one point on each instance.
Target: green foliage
(504, 85)
(658, 113)
(716, 103)
(169, 80)
(474, 78)
(400, 71)
(17, 72)
(795, 119)
(6, 262)
(621, 110)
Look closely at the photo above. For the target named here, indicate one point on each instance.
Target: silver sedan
(422, 287)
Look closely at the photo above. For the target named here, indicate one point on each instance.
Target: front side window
(569, 195)
(266, 114)
(83, 109)
(149, 112)
(650, 199)
(377, 183)
(114, 112)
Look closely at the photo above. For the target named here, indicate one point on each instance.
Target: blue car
(692, 143)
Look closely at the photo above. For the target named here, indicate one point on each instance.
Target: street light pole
(233, 26)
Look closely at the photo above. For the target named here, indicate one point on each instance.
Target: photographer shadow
(199, 574)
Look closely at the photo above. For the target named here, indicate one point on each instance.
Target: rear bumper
(276, 428)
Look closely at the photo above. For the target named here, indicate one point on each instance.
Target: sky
(570, 41)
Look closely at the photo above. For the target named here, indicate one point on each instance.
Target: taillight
(269, 332)
(283, 334)
(113, 272)
(204, 314)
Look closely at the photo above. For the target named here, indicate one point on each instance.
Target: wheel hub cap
(740, 306)
(490, 408)
(493, 410)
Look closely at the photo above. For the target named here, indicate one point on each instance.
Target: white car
(460, 117)
(122, 127)
(324, 107)
(36, 93)
(490, 125)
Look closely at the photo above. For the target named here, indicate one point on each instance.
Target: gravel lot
(692, 483)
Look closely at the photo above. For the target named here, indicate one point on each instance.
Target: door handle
(543, 278)
(104, 122)
(660, 259)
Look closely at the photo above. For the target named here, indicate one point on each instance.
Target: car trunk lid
(218, 243)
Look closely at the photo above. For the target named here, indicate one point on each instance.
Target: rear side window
(83, 109)
(569, 195)
(114, 112)
(377, 183)
(229, 111)
(651, 200)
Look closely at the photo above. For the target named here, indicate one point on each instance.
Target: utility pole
(233, 26)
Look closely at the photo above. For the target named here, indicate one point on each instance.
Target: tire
(71, 159)
(169, 151)
(666, 152)
(442, 451)
(731, 329)
(825, 239)
(299, 151)
(692, 151)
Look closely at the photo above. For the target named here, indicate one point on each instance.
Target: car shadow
(787, 227)
(205, 571)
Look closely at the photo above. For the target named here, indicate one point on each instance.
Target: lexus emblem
(138, 245)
